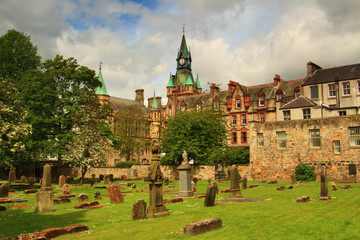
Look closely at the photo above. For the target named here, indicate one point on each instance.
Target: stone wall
(270, 163)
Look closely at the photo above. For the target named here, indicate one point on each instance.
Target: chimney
(213, 89)
(276, 80)
(231, 86)
(139, 96)
(311, 68)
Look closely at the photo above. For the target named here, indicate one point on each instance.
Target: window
(243, 137)
(234, 119)
(261, 101)
(307, 113)
(314, 92)
(332, 90)
(346, 88)
(170, 111)
(281, 140)
(336, 147)
(238, 104)
(287, 115)
(262, 117)
(198, 107)
(315, 138)
(183, 108)
(216, 106)
(354, 136)
(243, 119)
(233, 137)
(260, 138)
(279, 97)
(342, 113)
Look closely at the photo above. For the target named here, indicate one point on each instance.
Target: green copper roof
(154, 104)
(171, 82)
(198, 82)
(183, 48)
(189, 80)
(101, 90)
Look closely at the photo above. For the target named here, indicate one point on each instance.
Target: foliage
(305, 172)
(127, 164)
(199, 133)
(13, 128)
(53, 95)
(17, 55)
(230, 155)
(91, 143)
(130, 131)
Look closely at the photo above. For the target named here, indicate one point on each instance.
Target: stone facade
(271, 162)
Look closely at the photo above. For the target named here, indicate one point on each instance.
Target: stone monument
(211, 195)
(46, 180)
(62, 181)
(244, 182)
(324, 192)
(4, 189)
(138, 210)
(234, 186)
(115, 193)
(185, 188)
(44, 200)
(155, 180)
(12, 174)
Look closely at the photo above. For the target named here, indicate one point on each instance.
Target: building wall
(270, 163)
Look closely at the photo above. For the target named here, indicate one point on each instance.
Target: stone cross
(234, 186)
(12, 174)
(211, 195)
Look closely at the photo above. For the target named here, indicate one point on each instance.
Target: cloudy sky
(247, 41)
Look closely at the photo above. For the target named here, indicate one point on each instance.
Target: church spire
(101, 90)
(155, 104)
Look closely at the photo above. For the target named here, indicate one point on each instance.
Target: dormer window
(237, 102)
(279, 95)
(261, 101)
(296, 92)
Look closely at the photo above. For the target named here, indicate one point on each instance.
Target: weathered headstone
(219, 172)
(66, 189)
(166, 181)
(44, 201)
(62, 181)
(31, 181)
(334, 186)
(244, 182)
(46, 180)
(115, 193)
(193, 185)
(12, 174)
(234, 185)
(303, 199)
(133, 185)
(293, 178)
(83, 197)
(138, 210)
(23, 179)
(195, 228)
(211, 195)
(4, 190)
(97, 195)
(107, 179)
(324, 193)
(155, 180)
(185, 189)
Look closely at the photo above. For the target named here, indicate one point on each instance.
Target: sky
(246, 41)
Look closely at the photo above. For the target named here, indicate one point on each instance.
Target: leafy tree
(230, 155)
(199, 133)
(131, 129)
(53, 95)
(17, 55)
(13, 128)
(305, 172)
(91, 143)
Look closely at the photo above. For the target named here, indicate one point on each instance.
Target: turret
(101, 92)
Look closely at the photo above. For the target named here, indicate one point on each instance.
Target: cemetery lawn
(279, 217)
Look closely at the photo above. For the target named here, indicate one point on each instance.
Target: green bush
(305, 172)
(127, 164)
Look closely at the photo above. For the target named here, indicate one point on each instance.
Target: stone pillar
(234, 186)
(12, 174)
(155, 181)
(185, 188)
(324, 192)
(244, 182)
(46, 180)
(44, 200)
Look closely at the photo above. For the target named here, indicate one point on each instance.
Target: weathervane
(183, 27)
(100, 63)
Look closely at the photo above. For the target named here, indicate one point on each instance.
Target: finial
(183, 28)
(100, 63)
(154, 93)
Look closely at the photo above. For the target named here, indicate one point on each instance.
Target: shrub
(127, 164)
(305, 172)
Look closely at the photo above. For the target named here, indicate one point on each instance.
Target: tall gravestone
(293, 178)
(234, 185)
(62, 181)
(210, 195)
(12, 174)
(324, 192)
(44, 199)
(155, 180)
(244, 182)
(185, 188)
(115, 193)
(4, 189)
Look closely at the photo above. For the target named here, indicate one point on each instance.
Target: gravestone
(211, 195)
(23, 179)
(193, 184)
(107, 179)
(12, 174)
(219, 172)
(4, 189)
(115, 193)
(324, 192)
(334, 186)
(234, 185)
(166, 181)
(293, 178)
(185, 189)
(155, 180)
(31, 181)
(66, 189)
(203, 226)
(138, 210)
(46, 180)
(62, 181)
(83, 197)
(244, 182)
(97, 195)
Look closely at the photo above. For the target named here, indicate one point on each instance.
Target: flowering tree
(13, 128)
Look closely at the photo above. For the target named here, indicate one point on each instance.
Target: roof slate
(119, 104)
(299, 102)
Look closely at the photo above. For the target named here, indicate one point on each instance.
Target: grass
(279, 217)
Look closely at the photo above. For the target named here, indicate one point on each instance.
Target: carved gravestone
(324, 192)
(138, 210)
(97, 195)
(62, 181)
(12, 174)
(115, 193)
(211, 195)
(4, 190)
(155, 180)
(185, 189)
(234, 185)
(244, 182)
(66, 189)
(44, 199)
(46, 180)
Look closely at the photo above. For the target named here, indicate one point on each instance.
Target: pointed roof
(198, 82)
(155, 104)
(101, 90)
(189, 80)
(171, 82)
(183, 48)
(299, 102)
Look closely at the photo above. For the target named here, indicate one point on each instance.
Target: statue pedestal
(185, 187)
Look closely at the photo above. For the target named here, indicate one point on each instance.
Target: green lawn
(279, 217)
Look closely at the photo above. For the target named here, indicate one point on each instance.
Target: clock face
(182, 61)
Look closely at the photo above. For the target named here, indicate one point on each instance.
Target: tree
(53, 95)
(91, 143)
(230, 155)
(17, 55)
(131, 130)
(13, 128)
(199, 133)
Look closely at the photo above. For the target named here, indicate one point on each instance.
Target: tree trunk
(83, 172)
